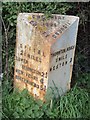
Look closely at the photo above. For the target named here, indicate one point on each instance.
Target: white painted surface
(33, 38)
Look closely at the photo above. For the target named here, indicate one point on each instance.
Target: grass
(75, 104)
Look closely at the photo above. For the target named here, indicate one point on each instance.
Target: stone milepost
(44, 56)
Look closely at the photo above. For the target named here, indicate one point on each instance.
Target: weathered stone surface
(44, 53)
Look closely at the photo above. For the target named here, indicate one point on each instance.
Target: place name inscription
(29, 53)
(61, 60)
(63, 50)
(34, 75)
(41, 23)
(33, 84)
(61, 29)
(45, 49)
(30, 78)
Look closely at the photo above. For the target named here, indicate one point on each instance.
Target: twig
(6, 40)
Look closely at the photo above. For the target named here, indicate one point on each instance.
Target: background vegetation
(76, 103)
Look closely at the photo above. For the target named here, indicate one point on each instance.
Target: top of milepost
(49, 27)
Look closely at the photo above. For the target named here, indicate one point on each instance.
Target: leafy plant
(76, 103)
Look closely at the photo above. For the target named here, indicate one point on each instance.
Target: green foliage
(84, 81)
(76, 103)
(10, 11)
(21, 105)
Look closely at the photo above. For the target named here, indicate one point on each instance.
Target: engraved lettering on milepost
(42, 56)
